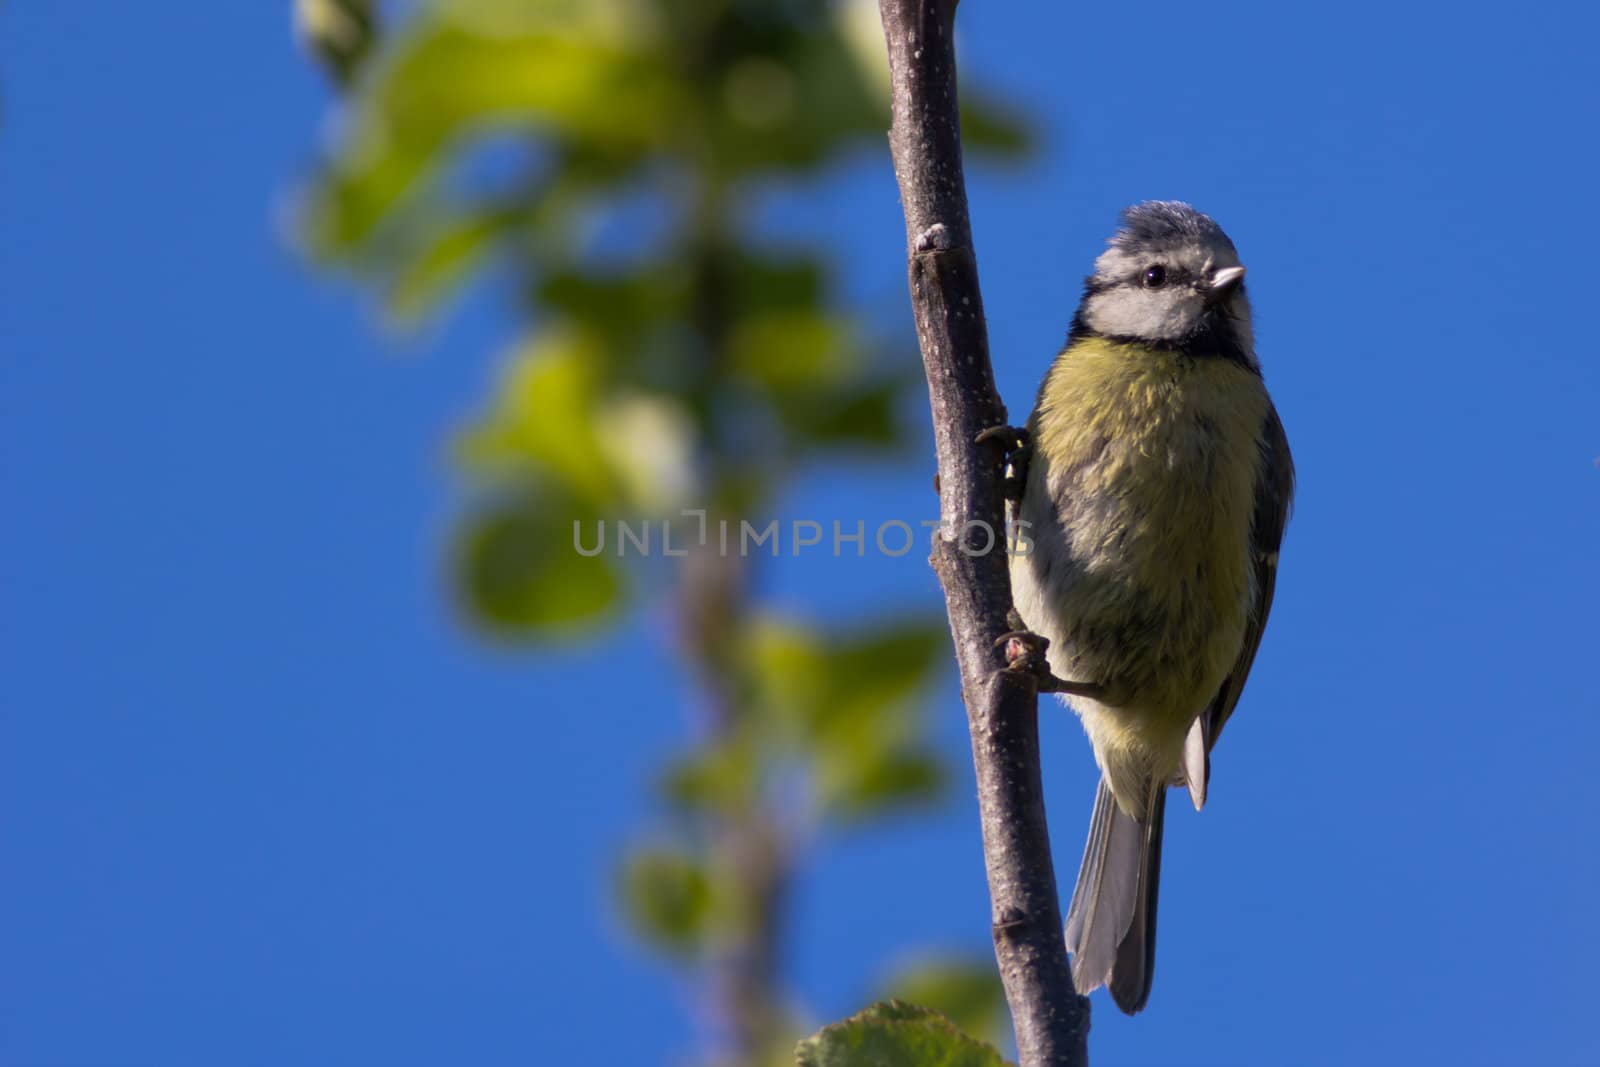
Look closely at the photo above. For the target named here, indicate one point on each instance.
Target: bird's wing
(1274, 495)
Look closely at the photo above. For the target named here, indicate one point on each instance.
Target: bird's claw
(1018, 444)
(1025, 652)
(1013, 437)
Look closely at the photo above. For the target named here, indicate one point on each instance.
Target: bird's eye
(1155, 277)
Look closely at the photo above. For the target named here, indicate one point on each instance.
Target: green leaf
(846, 701)
(878, 667)
(869, 758)
(648, 441)
(558, 416)
(442, 262)
(766, 280)
(667, 897)
(789, 101)
(721, 778)
(522, 574)
(895, 1034)
(623, 307)
(868, 781)
(800, 348)
(543, 417)
(446, 81)
(835, 687)
(788, 662)
(863, 414)
(966, 990)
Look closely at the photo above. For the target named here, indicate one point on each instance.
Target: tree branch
(1051, 1020)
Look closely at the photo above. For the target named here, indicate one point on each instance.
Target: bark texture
(1051, 1019)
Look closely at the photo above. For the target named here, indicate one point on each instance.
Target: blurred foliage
(844, 700)
(668, 896)
(840, 705)
(703, 356)
(895, 1034)
(339, 34)
(966, 990)
(603, 156)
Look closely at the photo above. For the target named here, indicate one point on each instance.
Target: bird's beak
(1223, 283)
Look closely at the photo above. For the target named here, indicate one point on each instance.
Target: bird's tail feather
(1111, 925)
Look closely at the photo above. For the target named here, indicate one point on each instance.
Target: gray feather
(1158, 224)
(1111, 924)
(1196, 772)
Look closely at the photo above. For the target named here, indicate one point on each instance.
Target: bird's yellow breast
(1140, 498)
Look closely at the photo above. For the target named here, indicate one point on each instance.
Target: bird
(1153, 481)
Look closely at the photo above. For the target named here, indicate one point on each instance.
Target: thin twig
(1051, 1020)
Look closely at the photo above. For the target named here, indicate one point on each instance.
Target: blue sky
(264, 799)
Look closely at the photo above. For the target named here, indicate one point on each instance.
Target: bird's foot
(1013, 437)
(1025, 652)
(1018, 445)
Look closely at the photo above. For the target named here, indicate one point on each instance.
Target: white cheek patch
(1129, 312)
(1123, 307)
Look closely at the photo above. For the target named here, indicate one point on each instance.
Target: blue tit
(1155, 495)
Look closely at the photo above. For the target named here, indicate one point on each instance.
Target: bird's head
(1169, 276)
